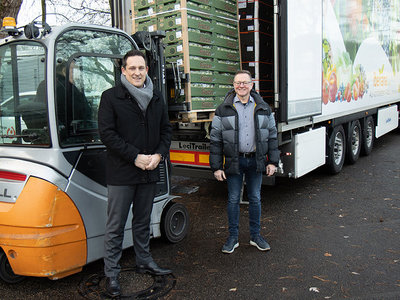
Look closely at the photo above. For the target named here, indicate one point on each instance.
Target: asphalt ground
(331, 237)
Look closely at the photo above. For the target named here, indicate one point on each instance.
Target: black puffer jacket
(224, 136)
(126, 133)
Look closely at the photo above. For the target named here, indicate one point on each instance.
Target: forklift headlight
(31, 31)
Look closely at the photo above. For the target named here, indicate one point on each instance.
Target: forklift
(53, 193)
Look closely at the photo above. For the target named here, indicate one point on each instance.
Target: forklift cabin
(53, 193)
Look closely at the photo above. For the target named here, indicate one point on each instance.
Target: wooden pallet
(196, 116)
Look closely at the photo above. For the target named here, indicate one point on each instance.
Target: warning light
(9, 23)
(12, 176)
(10, 26)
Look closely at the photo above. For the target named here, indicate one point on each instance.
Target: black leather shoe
(153, 269)
(112, 287)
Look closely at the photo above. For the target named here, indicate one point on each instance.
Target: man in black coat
(134, 126)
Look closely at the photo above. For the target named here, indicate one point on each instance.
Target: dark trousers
(120, 198)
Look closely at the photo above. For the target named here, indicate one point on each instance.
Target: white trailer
(336, 84)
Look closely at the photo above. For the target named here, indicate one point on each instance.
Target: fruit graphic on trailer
(332, 87)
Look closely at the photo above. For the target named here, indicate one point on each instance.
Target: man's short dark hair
(133, 53)
(243, 72)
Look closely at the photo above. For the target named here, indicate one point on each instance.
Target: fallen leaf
(393, 251)
(294, 266)
(327, 254)
(322, 279)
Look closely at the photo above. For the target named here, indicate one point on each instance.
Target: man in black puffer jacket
(243, 142)
(134, 126)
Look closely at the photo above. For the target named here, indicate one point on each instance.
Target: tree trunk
(9, 8)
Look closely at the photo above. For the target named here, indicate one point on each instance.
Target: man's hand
(220, 175)
(270, 169)
(154, 161)
(142, 161)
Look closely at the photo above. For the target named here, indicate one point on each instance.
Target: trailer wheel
(368, 136)
(6, 272)
(353, 142)
(336, 150)
(175, 222)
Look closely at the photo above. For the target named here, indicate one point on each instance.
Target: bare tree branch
(43, 11)
(84, 11)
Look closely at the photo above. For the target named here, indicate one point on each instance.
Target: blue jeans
(247, 166)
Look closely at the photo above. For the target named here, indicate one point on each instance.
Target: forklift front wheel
(6, 272)
(175, 222)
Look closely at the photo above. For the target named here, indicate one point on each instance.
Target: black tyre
(6, 272)
(336, 150)
(354, 142)
(174, 222)
(368, 136)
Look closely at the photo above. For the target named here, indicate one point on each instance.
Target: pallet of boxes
(202, 41)
(256, 23)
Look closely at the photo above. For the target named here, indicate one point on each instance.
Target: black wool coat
(126, 132)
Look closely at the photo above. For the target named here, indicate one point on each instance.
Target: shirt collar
(237, 100)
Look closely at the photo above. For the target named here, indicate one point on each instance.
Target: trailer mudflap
(309, 152)
(388, 119)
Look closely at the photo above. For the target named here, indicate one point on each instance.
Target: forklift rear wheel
(6, 272)
(175, 222)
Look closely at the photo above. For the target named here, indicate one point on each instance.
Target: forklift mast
(150, 42)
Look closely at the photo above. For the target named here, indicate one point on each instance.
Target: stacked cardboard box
(257, 43)
(201, 39)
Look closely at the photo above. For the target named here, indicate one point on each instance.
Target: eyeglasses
(239, 83)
